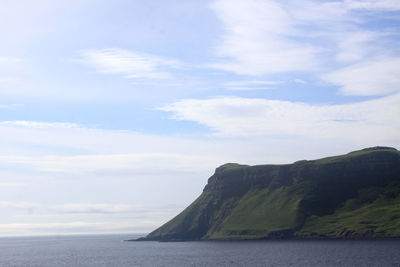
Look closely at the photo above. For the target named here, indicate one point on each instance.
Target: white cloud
(40, 125)
(139, 163)
(76, 148)
(369, 122)
(331, 13)
(376, 77)
(249, 85)
(267, 37)
(300, 81)
(10, 184)
(258, 39)
(130, 64)
(357, 45)
(10, 106)
(19, 205)
(390, 5)
(39, 152)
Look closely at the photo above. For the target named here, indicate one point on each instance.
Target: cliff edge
(356, 195)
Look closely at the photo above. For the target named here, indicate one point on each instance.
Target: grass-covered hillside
(355, 195)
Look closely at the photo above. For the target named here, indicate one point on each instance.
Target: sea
(112, 250)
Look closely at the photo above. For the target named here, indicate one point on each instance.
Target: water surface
(110, 250)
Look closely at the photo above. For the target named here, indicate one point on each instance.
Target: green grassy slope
(347, 196)
(259, 213)
(360, 217)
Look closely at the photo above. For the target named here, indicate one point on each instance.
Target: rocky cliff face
(348, 196)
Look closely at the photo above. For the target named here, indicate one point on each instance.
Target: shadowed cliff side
(356, 195)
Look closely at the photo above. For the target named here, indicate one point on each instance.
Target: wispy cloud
(390, 5)
(250, 85)
(40, 125)
(130, 64)
(19, 205)
(258, 39)
(11, 184)
(113, 164)
(265, 37)
(94, 144)
(74, 151)
(357, 45)
(374, 121)
(10, 106)
(300, 81)
(70, 150)
(375, 77)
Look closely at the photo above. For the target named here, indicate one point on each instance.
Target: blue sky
(113, 114)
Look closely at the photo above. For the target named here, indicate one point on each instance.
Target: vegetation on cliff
(356, 195)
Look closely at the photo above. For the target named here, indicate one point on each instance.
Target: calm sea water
(112, 251)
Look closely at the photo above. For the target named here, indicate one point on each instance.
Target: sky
(113, 114)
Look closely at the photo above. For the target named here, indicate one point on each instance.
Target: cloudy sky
(113, 114)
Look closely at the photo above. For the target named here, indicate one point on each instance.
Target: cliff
(356, 195)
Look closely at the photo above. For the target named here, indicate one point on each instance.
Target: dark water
(112, 251)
